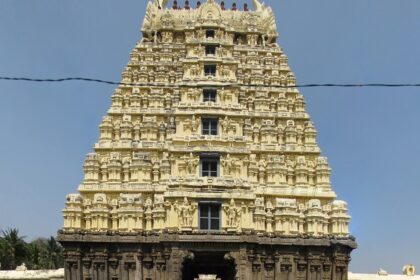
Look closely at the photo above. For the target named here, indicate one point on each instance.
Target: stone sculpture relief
(233, 214)
(185, 212)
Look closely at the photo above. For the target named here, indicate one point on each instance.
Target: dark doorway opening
(209, 263)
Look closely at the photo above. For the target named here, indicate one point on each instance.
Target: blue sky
(370, 135)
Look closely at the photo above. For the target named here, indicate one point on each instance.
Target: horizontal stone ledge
(200, 237)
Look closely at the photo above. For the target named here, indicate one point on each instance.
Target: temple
(207, 165)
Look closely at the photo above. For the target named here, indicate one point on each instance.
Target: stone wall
(32, 274)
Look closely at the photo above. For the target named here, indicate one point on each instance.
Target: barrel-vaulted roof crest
(261, 19)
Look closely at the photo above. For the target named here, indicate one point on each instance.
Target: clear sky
(370, 135)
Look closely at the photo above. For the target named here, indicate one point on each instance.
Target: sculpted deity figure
(225, 123)
(194, 124)
(311, 164)
(251, 40)
(201, 33)
(200, 51)
(194, 71)
(253, 158)
(228, 164)
(185, 212)
(192, 163)
(225, 71)
(193, 94)
(220, 34)
(227, 94)
(172, 121)
(167, 37)
(269, 205)
(233, 213)
(148, 204)
(262, 164)
(229, 37)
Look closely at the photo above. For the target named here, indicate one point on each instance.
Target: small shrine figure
(228, 164)
(185, 212)
(225, 123)
(194, 124)
(192, 163)
(233, 213)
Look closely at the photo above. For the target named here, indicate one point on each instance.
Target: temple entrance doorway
(209, 263)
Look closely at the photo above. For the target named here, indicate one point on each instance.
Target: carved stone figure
(233, 214)
(225, 73)
(193, 94)
(21, 267)
(192, 163)
(229, 165)
(194, 71)
(185, 212)
(225, 123)
(194, 124)
(409, 270)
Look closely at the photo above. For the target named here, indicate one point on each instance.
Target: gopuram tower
(206, 163)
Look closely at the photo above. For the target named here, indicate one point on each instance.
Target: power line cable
(49, 80)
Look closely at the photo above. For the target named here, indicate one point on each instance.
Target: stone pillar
(139, 266)
(243, 269)
(269, 268)
(175, 264)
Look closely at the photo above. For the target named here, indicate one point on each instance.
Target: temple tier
(207, 162)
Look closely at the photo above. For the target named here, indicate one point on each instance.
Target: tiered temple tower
(207, 162)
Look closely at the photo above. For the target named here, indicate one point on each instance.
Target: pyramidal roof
(208, 114)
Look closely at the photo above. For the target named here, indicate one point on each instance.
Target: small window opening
(210, 33)
(209, 95)
(209, 126)
(209, 216)
(209, 166)
(210, 70)
(210, 50)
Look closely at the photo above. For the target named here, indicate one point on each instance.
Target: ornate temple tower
(207, 162)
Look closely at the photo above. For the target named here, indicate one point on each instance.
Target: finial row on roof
(187, 5)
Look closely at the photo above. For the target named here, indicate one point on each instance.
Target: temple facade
(207, 162)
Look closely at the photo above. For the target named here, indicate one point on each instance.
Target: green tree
(41, 253)
(45, 254)
(13, 249)
(54, 254)
(36, 253)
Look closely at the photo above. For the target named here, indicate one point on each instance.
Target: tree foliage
(41, 253)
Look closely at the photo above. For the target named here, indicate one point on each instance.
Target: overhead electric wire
(50, 80)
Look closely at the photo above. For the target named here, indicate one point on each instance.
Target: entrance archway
(209, 263)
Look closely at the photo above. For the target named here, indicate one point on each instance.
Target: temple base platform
(176, 256)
